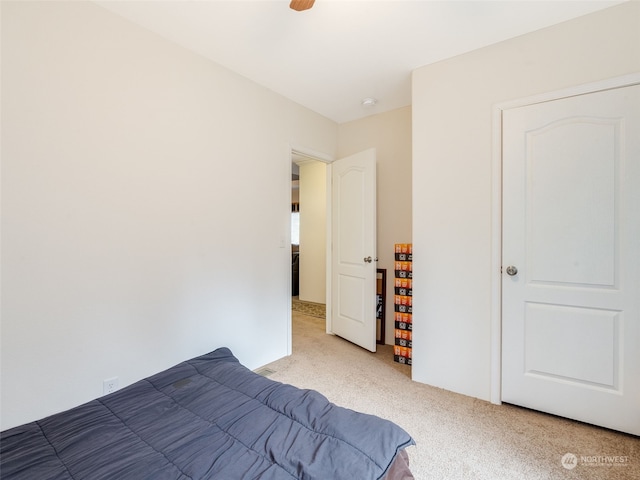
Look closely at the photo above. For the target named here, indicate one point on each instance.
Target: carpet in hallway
(308, 308)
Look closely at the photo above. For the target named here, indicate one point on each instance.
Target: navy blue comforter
(209, 417)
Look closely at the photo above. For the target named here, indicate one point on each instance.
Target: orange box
(404, 334)
(404, 266)
(403, 317)
(403, 300)
(403, 248)
(402, 351)
(403, 283)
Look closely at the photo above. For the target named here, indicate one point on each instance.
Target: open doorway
(308, 233)
(342, 266)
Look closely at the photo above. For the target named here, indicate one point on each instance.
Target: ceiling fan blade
(300, 5)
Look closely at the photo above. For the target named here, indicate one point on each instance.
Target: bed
(207, 418)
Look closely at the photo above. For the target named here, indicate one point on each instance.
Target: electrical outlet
(109, 385)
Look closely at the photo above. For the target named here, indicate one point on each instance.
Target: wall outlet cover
(110, 385)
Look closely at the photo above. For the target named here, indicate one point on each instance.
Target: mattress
(205, 418)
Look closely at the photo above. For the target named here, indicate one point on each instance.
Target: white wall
(313, 231)
(452, 141)
(125, 247)
(390, 134)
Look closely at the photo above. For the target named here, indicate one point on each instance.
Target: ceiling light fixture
(369, 102)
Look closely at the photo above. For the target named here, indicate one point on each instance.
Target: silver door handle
(368, 259)
(511, 270)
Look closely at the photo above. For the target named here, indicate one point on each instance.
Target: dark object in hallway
(295, 279)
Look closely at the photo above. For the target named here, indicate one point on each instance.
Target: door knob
(368, 259)
(511, 270)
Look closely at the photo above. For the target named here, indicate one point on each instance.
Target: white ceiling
(331, 57)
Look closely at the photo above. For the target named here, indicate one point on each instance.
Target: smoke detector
(369, 102)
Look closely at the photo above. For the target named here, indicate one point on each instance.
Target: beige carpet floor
(457, 437)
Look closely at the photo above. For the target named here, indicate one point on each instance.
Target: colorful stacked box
(403, 303)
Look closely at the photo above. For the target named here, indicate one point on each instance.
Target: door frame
(496, 207)
(315, 155)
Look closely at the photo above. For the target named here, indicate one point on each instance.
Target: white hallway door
(353, 232)
(571, 258)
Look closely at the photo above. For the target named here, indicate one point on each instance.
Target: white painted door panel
(571, 226)
(354, 240)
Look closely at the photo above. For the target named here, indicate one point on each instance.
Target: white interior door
(353, 265)
(571, 229)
